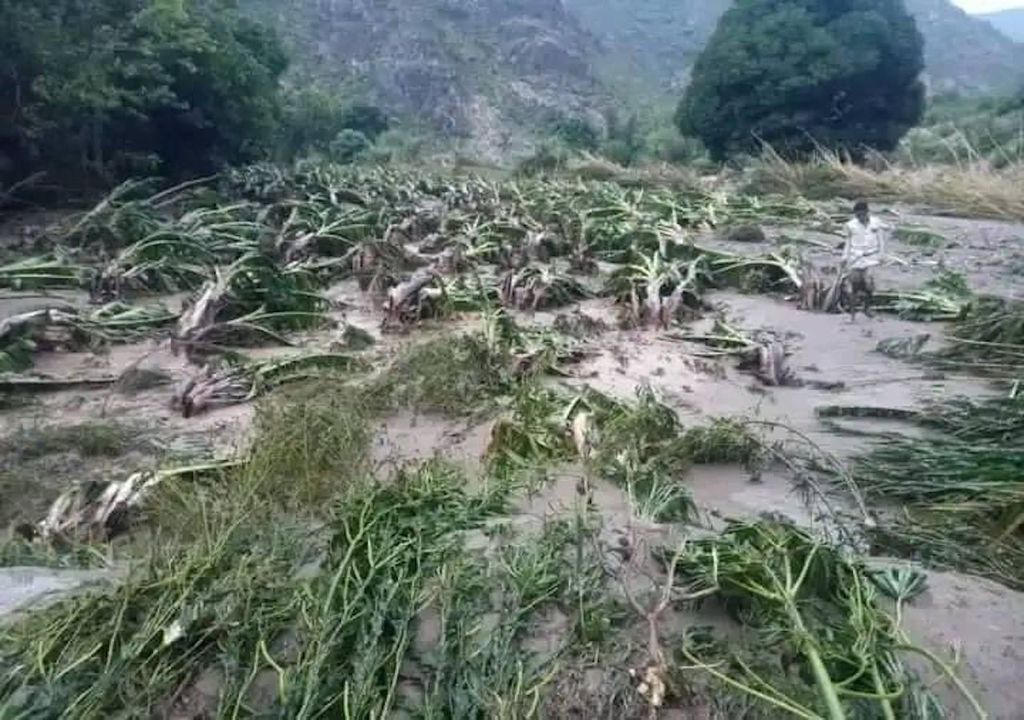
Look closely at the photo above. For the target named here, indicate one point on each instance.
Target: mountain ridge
(1010, 22)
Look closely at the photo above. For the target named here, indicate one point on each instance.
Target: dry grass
(972, 188)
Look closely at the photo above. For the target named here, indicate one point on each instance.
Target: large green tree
(795, 73)
(103, 88)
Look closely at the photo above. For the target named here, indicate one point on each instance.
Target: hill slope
(663, 37)
(490, 71)
(474, 69)
(1008, 22)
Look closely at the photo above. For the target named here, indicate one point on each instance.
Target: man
(864, 249)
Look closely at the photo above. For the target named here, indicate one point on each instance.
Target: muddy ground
(834, 356)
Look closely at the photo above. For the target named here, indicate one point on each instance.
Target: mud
(982, 623)
(23, 588)
(989, 253)
(824, 351)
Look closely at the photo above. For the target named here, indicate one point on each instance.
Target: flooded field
(84, 414)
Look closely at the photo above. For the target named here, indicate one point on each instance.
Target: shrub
(348, 146)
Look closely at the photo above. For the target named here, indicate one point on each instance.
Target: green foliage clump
(108, 88)
(313, 120)
(451, 376)
(958, 129)
(577, 133)
(800, 73)
(348, 146)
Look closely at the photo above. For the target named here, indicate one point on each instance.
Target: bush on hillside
(348, 146)
(577, 134)
(798, 73)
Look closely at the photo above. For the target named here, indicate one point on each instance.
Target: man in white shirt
(864, 249)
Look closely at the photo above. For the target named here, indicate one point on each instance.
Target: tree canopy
(103, 88)
(795, 73)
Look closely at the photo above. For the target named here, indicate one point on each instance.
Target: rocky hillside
(474, 69)
(483, 70)
(962, 53)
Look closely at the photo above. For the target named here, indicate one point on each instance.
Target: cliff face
(474, 69)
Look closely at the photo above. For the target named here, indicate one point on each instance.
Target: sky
(978, 6)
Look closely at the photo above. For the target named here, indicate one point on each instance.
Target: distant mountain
(661, 38)
(1008, 22)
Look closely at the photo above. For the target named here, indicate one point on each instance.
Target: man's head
(862, 210)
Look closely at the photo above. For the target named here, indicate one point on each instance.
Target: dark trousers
(862, 290)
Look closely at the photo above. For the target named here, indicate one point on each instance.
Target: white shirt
(865, 244)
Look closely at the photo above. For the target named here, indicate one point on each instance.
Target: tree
(98, 88)
(793, 73)
(313, 116)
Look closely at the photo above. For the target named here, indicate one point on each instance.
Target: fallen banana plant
(128, 216)
(422, 296)
(156, 264)
(48, 271)
(761, 273)
(317, 230)
(764, 356)
(538, 287)
(68, 329)
(99, 511)
(946, 297)
(655, 291)
(815, 605)
(234, 384)
(377, 263)
(251, 300)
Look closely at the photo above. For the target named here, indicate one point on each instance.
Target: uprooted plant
(251, 299)
(234, 383)
(70, 329)
(961, 488)
(815, 606)
(758, 353)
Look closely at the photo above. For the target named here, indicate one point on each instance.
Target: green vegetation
(960, 488)
(965, 130)
(818, 607)
(806, 73)
(105, 89)
(90, 440)
(300, 576)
